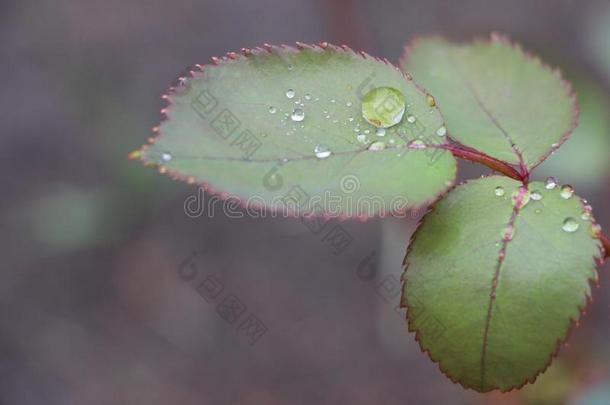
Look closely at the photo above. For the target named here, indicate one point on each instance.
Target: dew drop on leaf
(536, 196)
(272, 110)
(586, 216)
(383, 107)
(551, 183)
(442, 131)
(290, 93)
(166, 156)
(570, 225)
(499, 191)
(417, 144)
(567, 192)
(377, 146)
(361, 138)
(380, 132)
(596, 231)
(411, 119)
(322, 151)
(297, 115)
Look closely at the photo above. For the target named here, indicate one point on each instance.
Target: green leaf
(269, 124)
(491, 310)
(495, 97)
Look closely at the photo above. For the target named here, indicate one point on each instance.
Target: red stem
(479, 157)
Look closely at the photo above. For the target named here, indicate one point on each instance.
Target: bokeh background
(97, 304)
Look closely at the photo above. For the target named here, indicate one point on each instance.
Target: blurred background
(110, 294)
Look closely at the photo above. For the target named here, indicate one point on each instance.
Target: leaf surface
(495, 97)
(277, 124)
(489, 309)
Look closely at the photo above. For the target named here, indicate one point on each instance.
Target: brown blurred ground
(93, 309)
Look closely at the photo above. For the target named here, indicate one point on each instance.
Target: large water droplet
(322, 151)
(377, 146)
(297, 115)
(550, 183)
(383, 107)
(499, 191)
(290, 93)
(567, 192)
(570, 225)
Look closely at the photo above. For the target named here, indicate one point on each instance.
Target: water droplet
(536, 196)
(567, 192)
(383, 107)
(586, 216)
(307, 96)
(377, 146)
(290, 93)
(166, 156)
(538, 211)
(499, 191)
(272, 110)
(362, 138)
(349, 104)
(430, 100)
(350, 119)
(417, 144)
(321, 151)
(570, 225)
(297, 115)
(411, 119)
(596, 230)
(509, 233)
(333, 101)
(442, 131)
(550, 183)
(380, 132)
(290, 67)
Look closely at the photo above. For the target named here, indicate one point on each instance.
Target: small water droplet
(322, 151)
(538, 211)
(550, 183)
(367, 131)
(333, 101)
(380, 132)
(536, 196)
(567, 192)
(509, 233)
(411, 119)
(297, 115)
(290, 67)
(596, 230)
(377, 146)
(586, 216)
(307, 96)
(361, 138)
(570, 225)
(272, 110)
(430, 100)
(166, 156)
(383, 107)
(349, 104)
(350, 119)
(499, 191)
(442, 131)
(290, 93)
(417, 144)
